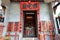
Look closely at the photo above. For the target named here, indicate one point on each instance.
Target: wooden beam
(26, 0)
(48, 1)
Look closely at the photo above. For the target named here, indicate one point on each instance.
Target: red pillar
(40, 36)
(9, 26)
(14, 26)
(19, 27)
(45, 35)
(51, 36)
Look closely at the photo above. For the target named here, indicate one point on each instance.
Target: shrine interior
(30, 19)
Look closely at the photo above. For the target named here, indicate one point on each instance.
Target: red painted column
(14, 28)
(9, 26)
(19, 27)
(21, 22)
(41, 36)
(1, 29)
(51, 29)
(45, 35)
(39, 25)
(51, 36)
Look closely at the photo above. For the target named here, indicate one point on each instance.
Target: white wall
(0, 4)
(7, 11)
(14, 15)
(44, 12)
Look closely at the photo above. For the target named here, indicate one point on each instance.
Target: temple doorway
(30, 24)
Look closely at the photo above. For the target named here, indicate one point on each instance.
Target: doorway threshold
(30, 38)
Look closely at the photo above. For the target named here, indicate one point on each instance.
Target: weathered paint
(42, 14)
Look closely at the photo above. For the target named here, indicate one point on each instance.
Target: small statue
(30, 30)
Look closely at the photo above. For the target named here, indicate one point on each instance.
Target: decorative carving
(19, 27)
(12, 26)
(29, 5)
(47, 26)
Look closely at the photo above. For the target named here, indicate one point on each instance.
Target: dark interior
(58, 19)
(1, 19)
(30, 18)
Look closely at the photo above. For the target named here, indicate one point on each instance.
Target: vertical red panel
(14, 26)
(21, 22)
(19, 27)
(9, 26)
(40, 36)
(39, 25)
(51, 26)
(45, 35)
(1, 29)
(51, 29)
(43, 26)
(47, 26)
(39, 28)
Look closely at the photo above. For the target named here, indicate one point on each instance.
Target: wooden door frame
(32, 9)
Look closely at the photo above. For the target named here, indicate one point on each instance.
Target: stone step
(30, 38)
